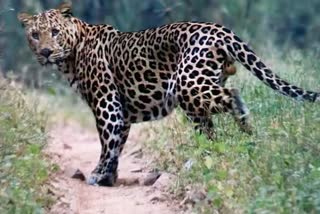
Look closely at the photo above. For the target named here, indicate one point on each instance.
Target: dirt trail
(73, 147)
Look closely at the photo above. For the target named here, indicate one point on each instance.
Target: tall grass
(23, 169)
(276, 170)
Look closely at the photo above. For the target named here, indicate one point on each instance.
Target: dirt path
(73, 147)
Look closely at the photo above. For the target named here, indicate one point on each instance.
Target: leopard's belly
(148, 95)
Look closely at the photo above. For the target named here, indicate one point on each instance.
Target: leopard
(131, 77)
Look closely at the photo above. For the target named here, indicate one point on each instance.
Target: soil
(76, 150)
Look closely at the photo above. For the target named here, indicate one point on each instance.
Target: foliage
(23, 170)
(288, 22)
(277, 170)
(274, 171)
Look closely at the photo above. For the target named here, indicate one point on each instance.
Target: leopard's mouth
(47, 61)
(53, 59)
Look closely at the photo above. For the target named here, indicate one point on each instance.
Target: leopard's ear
(65, 9)
(25, 18)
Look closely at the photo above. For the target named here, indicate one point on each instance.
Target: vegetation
(23, 169)
(276, 170)
(286, 22)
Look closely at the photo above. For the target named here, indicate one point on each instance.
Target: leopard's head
(51, 34)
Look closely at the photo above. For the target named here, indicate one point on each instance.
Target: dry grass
(23, 168)
(276, 170)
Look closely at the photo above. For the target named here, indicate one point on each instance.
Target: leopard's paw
(107, 179)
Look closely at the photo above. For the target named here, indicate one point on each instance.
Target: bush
(276, 170)
(23, 170)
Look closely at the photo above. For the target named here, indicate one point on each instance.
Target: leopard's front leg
(113, 132)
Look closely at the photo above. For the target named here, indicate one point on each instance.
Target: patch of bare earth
(137, 191)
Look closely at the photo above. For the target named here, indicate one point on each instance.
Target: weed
(276, 170)
(23, 169)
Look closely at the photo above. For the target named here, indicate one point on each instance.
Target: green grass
(23, 168)
(276, 170)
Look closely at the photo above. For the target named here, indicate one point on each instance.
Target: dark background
(285, 23)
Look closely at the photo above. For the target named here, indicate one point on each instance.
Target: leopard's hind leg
(217, 99)
(200, 92)
(203, 125)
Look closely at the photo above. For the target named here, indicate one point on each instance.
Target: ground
(73, 147)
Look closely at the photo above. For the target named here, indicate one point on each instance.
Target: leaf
(229, 191)
(208, 162)
(34, 149)
(220, 148)
(221, 175)
(217, 202)
(51, 91)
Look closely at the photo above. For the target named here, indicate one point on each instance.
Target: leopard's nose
(46, 52)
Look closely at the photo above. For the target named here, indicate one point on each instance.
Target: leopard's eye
(54, 32)
(35, 35)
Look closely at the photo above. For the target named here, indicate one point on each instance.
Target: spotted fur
(130, 77)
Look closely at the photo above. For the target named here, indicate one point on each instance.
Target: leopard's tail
(242, 53)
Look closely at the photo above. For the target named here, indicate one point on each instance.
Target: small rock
(158, 198)
(198, 195)
(164, 182)
(138, 203)
(66, 146)
(78, 175)
(127, 181)
(194, 196)
(188, 165)
(136, 170)
(139, 155)
(135, 151)
(151, 178)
